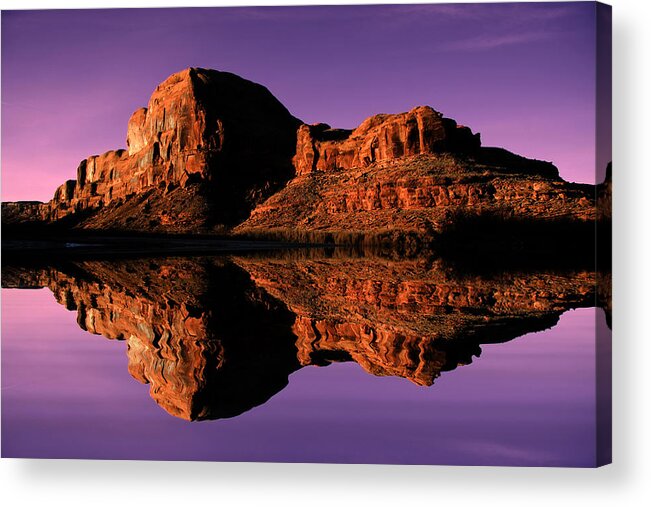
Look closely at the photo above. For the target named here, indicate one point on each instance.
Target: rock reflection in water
(215, 337)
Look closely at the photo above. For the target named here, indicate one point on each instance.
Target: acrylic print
(340, 234)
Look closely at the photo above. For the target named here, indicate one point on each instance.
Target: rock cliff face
(213, 152)
(419, 195)
(24, 212)
(381, 137)
(214, 338)
(224, 141)
(414, 174)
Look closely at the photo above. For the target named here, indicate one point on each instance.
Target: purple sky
(521, 74)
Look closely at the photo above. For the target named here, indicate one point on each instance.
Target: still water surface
(530, 400)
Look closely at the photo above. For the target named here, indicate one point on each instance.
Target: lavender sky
(521, 74)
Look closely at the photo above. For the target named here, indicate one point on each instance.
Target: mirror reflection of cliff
(215, 337)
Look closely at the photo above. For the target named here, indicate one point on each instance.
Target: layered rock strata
(381, 137)
(213, 152)
(211, 141)
(421, 194)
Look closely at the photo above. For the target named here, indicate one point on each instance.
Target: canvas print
(339, 234)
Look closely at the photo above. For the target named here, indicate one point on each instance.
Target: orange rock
(381, 137)
(213, 152)
(201, 127)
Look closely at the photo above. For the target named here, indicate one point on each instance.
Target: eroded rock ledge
(381, 137)
(209, 143)
(213, 152)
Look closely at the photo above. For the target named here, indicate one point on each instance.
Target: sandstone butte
(215, 153)
(214, 337)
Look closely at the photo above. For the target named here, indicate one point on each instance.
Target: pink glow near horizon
(521, 74)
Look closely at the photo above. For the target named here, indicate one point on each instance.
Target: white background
(627, 482)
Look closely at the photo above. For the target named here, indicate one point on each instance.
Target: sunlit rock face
(226, 137)
(420, 194)
(215, 153)
(410, 173)
(384, 136)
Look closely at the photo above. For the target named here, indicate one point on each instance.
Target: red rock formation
(212, 147)
(419, 194)
(24, 213)
(202, 127)
(409, 173)
(381, 137)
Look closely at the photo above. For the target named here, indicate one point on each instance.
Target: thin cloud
(486, 42)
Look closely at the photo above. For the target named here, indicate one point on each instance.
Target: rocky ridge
(381, 137)
(205, 150)
(213, 152)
